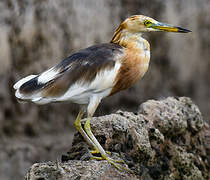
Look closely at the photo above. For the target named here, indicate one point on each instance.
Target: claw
(97, 158)
(102, 158)
(115, 162)
(95, 151)
(119, 161)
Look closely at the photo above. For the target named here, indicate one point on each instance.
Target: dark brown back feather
(83, 67)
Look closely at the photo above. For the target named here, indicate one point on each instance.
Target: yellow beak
(169, 28)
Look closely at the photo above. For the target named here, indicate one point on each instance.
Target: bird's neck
(130, 40)
(136, 60)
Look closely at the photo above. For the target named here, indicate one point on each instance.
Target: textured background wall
(37, 34)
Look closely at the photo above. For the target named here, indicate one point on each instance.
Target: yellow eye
(147, 23)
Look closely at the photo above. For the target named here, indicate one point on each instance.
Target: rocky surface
(166, 140)
(89, 170)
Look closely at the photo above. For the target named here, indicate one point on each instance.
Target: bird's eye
(147, 22)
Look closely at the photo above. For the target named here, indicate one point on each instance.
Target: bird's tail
(28, 89)
(31, 87)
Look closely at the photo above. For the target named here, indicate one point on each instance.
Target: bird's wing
(81, 68)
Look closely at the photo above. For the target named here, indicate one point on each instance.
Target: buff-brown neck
(129, 39)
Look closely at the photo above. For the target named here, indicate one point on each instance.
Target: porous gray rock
(83, 170)
(165, 139)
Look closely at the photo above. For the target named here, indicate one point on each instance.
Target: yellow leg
(100, 149)
(95, 151)
(78, 126)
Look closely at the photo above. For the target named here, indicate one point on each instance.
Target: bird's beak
(169, 28)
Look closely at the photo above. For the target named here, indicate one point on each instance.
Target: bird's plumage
(88, 76)
(97, 71)
(91, 70)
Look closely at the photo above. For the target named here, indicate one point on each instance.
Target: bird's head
(139, 23)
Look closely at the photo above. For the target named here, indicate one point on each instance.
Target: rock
(166, 139)
(83, 170)
(172, 118)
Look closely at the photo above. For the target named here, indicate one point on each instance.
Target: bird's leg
(78, 126)
(92, 137)
(92, 106)
(100, 149)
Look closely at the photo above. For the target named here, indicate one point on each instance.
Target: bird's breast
(133, 67)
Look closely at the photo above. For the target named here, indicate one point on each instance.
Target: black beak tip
(182, 30)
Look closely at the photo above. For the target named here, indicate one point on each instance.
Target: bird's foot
(102, 158)
(114, 162)
(95, 151)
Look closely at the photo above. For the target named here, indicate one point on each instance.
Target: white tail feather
(47, 75)
(18, 84)
(22, 81)
(34, 97)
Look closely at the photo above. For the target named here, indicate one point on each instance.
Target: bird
(91, 74)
